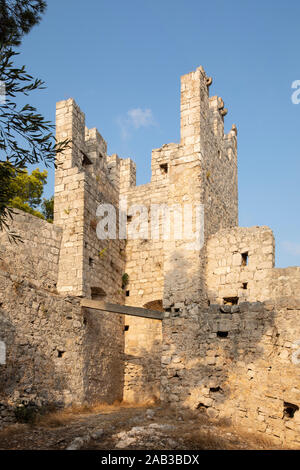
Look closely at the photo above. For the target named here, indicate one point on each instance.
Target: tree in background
(48, 209)
(26, 192)
(25, 136)
(17, 17)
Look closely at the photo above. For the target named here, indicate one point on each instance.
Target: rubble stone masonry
(228, 343)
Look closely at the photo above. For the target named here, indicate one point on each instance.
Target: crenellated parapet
(199, 170)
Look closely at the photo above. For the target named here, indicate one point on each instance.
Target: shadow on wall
(142, 380)
(29, 375)
(103, 375)
(43, 337)
(210, 350)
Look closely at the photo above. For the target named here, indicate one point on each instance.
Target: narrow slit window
(245, 259)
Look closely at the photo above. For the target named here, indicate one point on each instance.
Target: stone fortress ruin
(226, 337)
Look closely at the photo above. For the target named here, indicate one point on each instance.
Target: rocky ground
(121, 427)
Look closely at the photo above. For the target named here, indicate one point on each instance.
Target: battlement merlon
(70, 124)
(88, 149)
(95, 144)
(200, 113)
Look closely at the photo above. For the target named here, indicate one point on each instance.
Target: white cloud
(292, 248)
(140, 117)
(135, 119)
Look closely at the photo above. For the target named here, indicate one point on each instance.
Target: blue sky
(122, 62)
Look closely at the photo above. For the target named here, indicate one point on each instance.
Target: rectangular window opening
(245, 259)
(222, 334)
(127, 293)
(245, 285)
(230, 300)
(163, 168)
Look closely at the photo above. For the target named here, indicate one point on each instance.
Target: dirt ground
(126, 427)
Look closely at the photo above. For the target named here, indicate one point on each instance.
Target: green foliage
(48, 209)
(25, 136)
(29, 187)
(7, 172)
(24, 191)
(125, 280)
(102, 252)
(31, 412)
(17, 17)
(27, 190)
(26, 413)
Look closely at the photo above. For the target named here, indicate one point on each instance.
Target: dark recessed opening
(155, 305)
(163, 168)
(215, 389)
(127, 293)
(91, 261)
(245, 285)
(126, 327)
(201, 406)
(60, 353)
(129, 218)
(85, 321)
(245, 259)
(97, 293)
(289, 409)
(222, 334)
(230, 300)
(85, 160)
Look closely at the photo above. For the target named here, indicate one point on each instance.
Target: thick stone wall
(238, 362)
(55, 353)
(36, 257)
(84, 179)
(200, 170)
(143, 345)
(240, 264)
(144, 256)
(240, 267)
(230, 338)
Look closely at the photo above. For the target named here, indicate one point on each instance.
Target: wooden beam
(122, 309)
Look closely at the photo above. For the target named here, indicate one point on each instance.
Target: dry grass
(66, 415)
(197, 437)
(257, 440)
(192, 430)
